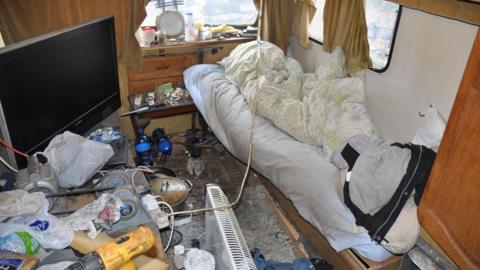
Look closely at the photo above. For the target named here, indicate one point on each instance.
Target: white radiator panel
(224, 238)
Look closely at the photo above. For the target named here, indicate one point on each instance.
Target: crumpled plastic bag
(76, 159)
(431, 128)
(20, 202)
(48, 230)
(198, 259)
(95, 216)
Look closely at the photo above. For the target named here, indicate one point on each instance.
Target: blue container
(143, 148)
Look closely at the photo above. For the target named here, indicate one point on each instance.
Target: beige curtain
(24, 19)
(345, 26)
(282, 18)
(459, 10)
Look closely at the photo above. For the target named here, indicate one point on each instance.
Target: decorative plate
(172, 22)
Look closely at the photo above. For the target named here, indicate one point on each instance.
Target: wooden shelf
(176, 46)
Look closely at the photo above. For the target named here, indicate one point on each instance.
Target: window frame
(394, 37)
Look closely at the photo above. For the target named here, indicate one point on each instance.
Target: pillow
(293, 66)
(240, 66)
(333, 67)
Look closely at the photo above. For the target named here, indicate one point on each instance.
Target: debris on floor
(127, 211)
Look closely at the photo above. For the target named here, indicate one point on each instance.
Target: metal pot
(173, 190)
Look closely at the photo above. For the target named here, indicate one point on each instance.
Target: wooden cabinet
(143, 86)
(450, 208)
(159, 69)
(166, 63)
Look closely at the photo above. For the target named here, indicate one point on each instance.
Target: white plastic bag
(76, 159)
(101, 213)
(430, 130)
(19, 202)
(198, 259)
(48, 230)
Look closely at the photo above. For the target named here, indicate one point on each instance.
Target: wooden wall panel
(450, 207)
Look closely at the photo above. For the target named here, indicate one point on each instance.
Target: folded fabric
(377, 171)
(383, 187)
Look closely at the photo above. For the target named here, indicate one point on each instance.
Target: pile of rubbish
(66, 211)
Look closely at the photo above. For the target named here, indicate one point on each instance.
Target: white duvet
(323, 108)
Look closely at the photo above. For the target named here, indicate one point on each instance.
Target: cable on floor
(11, 148)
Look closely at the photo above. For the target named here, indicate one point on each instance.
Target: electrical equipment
(223, 237)
(115, 178)
(132, 213)
(38, 176)
(172, 190)
(158, 216)
(64, 80)
(117, 255)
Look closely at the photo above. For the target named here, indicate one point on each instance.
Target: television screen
(65, 80)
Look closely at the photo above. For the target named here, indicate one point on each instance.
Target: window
(381, 17)
(211, 12)
(316, 26)
(2, 44)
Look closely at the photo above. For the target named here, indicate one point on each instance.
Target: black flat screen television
(64, 80)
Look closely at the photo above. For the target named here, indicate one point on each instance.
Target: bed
(298, 170)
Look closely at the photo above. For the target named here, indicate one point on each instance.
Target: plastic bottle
(143, 148)
(21, 242)
(190, 28)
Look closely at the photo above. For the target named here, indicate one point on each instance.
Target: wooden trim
(297, 245)
(450, 207)
(434, 245)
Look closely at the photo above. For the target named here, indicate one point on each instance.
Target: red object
(13, 149)
(148, 29)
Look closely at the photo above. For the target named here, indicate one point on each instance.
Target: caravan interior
(247, 134)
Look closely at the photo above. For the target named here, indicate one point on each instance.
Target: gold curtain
(20, 20)
(345, 26)
(453, 9)
(282, 18)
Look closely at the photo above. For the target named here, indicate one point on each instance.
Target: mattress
(299, 170)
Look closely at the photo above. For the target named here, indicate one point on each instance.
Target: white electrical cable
(10, 167)
(172, 224)
(250, 146)
(250, 151)
(139, 168)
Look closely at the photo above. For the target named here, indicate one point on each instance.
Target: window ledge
(178, 46)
